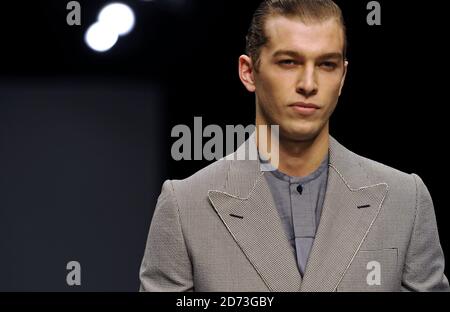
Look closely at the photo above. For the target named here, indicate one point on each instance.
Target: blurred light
(100, 38)
(114, 20)
(118, 17)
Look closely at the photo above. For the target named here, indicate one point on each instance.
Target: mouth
(305, 109)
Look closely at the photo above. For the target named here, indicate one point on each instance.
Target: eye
(328, 65)
(287, 62)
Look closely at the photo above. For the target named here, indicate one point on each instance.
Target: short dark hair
(307, 11)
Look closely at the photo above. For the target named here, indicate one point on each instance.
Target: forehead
(312, 38)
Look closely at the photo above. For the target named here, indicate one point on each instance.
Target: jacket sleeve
(424, 265)
(166, 265)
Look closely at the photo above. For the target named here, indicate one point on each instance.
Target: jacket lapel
(352, 204)
(247, 209)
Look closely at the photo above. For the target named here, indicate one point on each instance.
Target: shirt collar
(266, 166)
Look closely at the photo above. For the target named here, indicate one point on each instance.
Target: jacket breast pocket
(372, 270)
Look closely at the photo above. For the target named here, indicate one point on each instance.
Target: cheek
(276, 87)
(330, 88)
(265, 92)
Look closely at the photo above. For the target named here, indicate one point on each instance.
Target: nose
(307, 85)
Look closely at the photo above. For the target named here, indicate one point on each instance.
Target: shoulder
(409, 187)
(383, 171)
(355, 164)
(360, 170)
(197, 185)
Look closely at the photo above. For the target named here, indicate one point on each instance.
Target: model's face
(301, 64)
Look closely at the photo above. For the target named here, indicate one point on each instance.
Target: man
(324, 218)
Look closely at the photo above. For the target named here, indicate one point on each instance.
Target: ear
(246, 72)
(343, 77)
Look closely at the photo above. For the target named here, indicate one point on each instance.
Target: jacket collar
(246, 207)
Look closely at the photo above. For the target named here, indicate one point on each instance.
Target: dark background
(85, 137)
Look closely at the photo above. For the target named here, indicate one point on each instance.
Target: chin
(299, 133)
(300, 136)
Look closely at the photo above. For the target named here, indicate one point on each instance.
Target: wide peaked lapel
(352, 204)
(247, 209)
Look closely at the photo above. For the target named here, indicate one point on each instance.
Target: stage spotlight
(100, 37)
(114, 20)
(118, 17)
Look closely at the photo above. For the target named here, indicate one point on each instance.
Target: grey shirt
(299, 202)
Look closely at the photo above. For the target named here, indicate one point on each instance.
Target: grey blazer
(219, 230)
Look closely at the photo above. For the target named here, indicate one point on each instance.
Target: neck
(301, 158)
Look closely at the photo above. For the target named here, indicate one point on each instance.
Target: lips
(305, 105)
(305, 109)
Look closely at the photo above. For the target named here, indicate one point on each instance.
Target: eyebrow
(291, 53)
